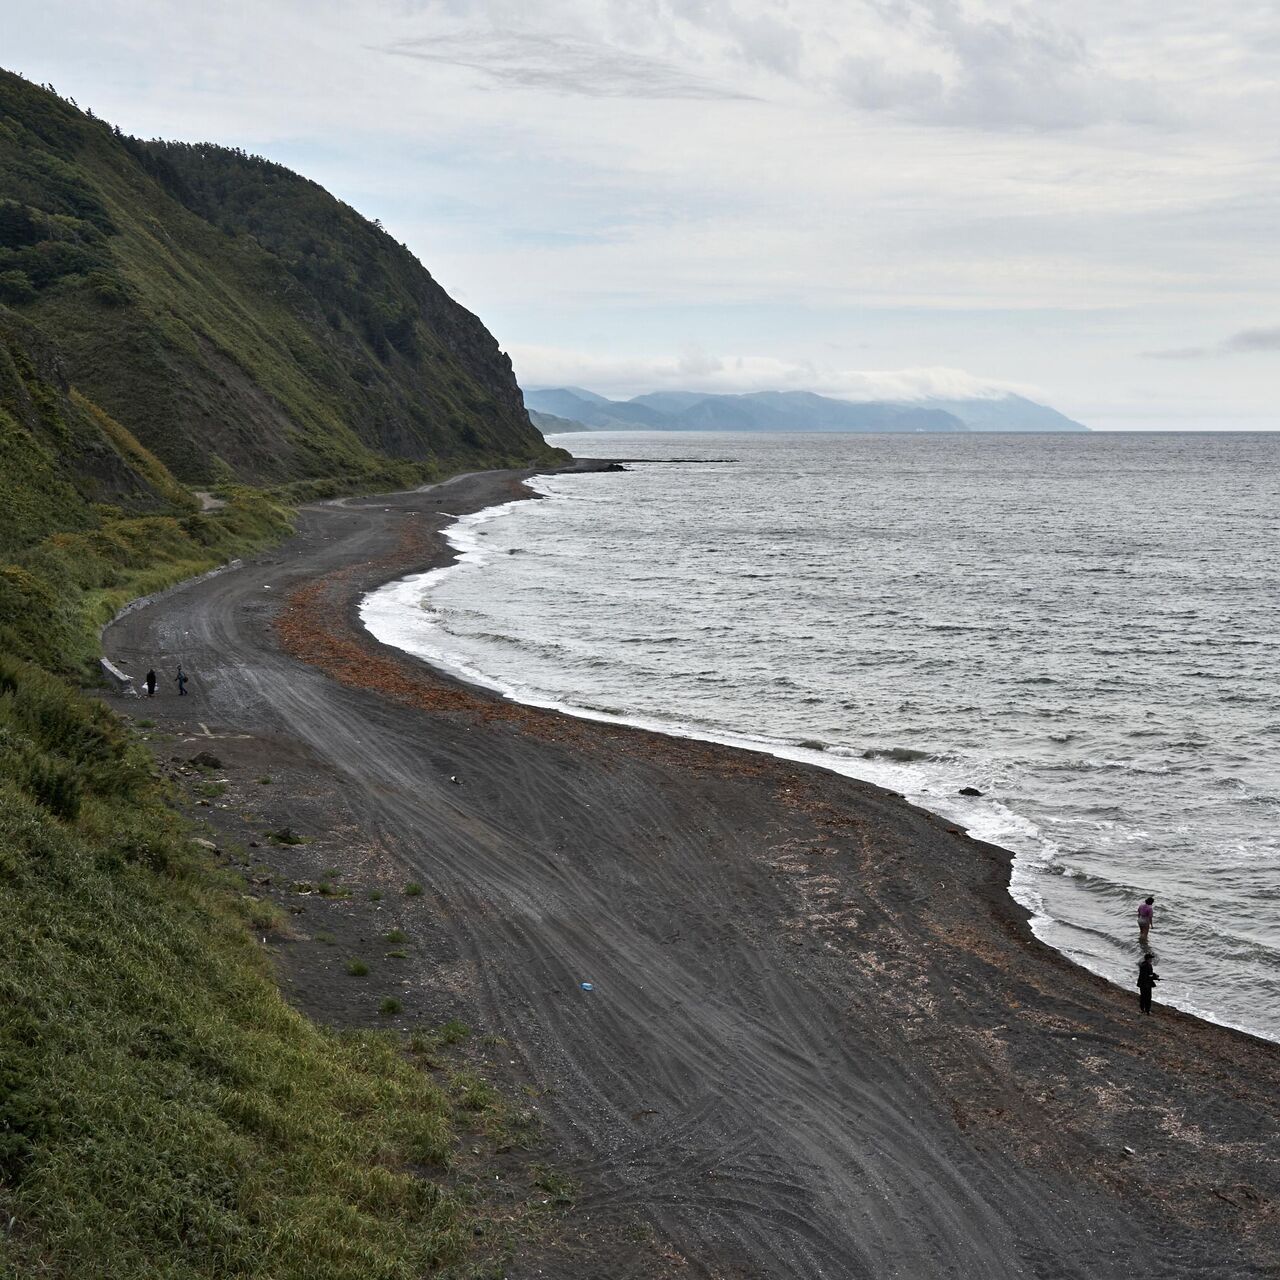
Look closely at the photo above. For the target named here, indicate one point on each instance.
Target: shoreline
(816, 757)
(821, 1038)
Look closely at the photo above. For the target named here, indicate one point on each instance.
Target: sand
(821, 1039)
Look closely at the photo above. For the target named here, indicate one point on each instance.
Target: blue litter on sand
(586, 986)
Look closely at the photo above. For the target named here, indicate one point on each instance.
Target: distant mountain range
(559, 409)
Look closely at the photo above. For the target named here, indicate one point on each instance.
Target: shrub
(429, 1141)
(55, 786)
(413, 889)
(390, 1005)
(357, 968)
(16, 286)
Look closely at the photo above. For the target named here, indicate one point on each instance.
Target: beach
(820, 1038)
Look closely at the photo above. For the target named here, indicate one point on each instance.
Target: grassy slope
(235, 317)
(60, 456)
(162, 1111)
(88, 517)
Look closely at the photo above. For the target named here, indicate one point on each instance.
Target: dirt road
(821, 1040)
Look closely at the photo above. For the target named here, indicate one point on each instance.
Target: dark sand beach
(822, 1040)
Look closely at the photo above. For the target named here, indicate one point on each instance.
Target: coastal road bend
(821, 1040)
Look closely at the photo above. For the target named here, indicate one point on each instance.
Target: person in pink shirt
(1146, 913)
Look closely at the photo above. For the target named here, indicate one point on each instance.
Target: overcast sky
(861, 197)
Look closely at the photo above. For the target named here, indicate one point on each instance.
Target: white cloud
(695, 370)
(562, 65)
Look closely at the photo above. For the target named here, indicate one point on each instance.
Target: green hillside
(236, 318)
(88, 517)
(61, 457)
(171, 315)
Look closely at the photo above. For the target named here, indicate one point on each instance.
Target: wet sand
(822, 1040)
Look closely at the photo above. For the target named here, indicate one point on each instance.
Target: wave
(902, 755)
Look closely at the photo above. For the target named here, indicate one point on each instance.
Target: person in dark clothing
(182, 683)
(1147, 979)
(151, 683)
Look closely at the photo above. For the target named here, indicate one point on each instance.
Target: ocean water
(1086, 628)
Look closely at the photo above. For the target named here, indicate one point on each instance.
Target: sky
(863, 198)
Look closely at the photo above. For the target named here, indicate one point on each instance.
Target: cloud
(562, 64)
(1254, 340)
(1246, 341)
(696, 370)
(945, 66)
(1179, 353)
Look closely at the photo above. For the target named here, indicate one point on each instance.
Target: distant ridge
(791, 411)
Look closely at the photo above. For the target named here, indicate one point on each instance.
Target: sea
(1085, 628)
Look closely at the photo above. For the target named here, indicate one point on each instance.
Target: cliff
(237, 319)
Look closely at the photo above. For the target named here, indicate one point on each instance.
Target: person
(1147, 979)
(182, 686)
(1146, 914)
(151, 683)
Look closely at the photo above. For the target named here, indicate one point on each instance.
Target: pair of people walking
(180, 679)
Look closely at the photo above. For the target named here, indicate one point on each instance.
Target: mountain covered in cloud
(584, 410)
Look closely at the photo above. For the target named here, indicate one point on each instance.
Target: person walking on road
(1146, 914)
(181, 678)
(1147, 979)
(151, 683)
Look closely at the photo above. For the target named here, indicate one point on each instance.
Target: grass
(357, 968)
(209, 790)
(396, 935)
(163, 1111)
(390, 1005)
(560, 1189)
(263, 916)
(413, 889)
(470, 1091)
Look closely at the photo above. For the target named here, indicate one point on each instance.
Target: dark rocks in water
(904, 755)
(206, 760)
(615, 466)
(970, 791)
